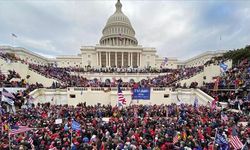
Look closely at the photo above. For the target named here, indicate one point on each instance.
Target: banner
(223, 67)
(141, 93)
(58, 121)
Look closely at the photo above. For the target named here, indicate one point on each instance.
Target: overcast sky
(179, 29)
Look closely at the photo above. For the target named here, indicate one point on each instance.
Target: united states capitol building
(118, 47)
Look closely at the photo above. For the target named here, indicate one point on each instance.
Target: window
(166, 95)
(72, 96)
(89, 56)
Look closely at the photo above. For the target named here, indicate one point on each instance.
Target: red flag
(44, 115)
(211, 146)
(200, 135)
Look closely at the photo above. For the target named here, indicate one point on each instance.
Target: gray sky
(179, 29)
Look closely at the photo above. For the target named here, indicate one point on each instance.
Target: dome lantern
(118, 6)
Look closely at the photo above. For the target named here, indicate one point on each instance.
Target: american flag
(224, 117)
(7, 94)
(176, 138)
(8, 97)
(121, 98)
(31, 143)
(20, 129)
(235, 142)
(14, 35)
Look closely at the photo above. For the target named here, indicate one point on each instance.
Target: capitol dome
(118, 30)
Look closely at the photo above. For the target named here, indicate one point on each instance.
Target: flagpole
(12, 40)
(71, 138)
(215, 137)
(220, 43)
(244, 146)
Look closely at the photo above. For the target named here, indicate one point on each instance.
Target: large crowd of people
(64, 75)
(158, 127)
(67, 77)
(233, 78)
(164, 127)
(11, 79)
(232, 86)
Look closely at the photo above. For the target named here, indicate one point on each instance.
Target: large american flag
(20, 129)
(235, 142)
(121, 99)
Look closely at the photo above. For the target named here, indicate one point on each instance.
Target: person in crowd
(164, 127)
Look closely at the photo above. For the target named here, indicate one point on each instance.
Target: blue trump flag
(141, 93)
(223, 67)
(76, 125)
(222, 142)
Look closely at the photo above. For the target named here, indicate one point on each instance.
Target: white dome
(118, 29)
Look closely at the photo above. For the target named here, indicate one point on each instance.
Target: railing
(80, 89)
(227, 90)
(159, 89)
(116, 74)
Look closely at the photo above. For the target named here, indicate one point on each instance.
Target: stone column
(122, 59)
(97, 62)
(100, 54)
(140, 59)
(132, 59)
(116, 59)
(109, 60)
(137, 61)
(106, 59)
(128, 59)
